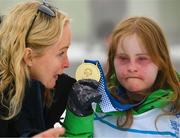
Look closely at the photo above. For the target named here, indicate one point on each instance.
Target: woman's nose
(66, 62)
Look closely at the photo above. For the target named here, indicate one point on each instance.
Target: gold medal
(87, 71)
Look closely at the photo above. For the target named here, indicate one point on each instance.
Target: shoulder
(33, 92)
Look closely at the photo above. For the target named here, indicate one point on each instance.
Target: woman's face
(54, 60)
(133, 66)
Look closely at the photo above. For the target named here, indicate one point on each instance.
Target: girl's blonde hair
(14, 73)
(154, 41)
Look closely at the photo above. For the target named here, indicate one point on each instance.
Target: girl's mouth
(133, 77)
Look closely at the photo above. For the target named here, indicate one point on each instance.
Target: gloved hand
(83, 93)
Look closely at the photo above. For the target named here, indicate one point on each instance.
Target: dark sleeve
(4, 128)
(62, 89)
(30, 120)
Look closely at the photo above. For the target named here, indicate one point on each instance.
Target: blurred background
(93, 20)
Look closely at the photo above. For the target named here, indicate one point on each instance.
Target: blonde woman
(34, 40)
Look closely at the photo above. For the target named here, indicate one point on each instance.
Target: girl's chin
(134, 89)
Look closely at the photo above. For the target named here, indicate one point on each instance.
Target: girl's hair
(14, 72)
(154, 41)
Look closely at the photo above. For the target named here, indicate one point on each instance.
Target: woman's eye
(61, 53)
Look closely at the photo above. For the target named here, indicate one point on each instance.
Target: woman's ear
(28, 56)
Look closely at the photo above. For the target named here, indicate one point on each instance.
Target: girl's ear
(28, 56)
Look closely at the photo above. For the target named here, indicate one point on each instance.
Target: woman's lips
(56, 77)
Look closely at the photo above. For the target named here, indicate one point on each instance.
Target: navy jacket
(34, 116)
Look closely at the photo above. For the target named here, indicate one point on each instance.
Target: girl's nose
(132, 67)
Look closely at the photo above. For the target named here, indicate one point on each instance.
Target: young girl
(144, 88)
(140, 73)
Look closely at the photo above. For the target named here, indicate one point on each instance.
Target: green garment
(76, 126)
(157, 99)
(83, 126)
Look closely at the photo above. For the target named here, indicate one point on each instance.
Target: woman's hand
(51, 133)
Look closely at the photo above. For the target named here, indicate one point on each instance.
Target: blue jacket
(34, 117)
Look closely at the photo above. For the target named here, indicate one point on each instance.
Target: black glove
(83, 93)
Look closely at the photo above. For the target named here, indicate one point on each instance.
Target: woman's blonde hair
(154, 41)
(14, 73)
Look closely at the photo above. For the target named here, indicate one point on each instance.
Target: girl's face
(133, 66)
(54, 60)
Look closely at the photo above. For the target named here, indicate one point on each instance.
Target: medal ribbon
(108, 103)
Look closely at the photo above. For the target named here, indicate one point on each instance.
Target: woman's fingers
(51, 133)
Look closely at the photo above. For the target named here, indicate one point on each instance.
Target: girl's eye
(123, 59)
(143, 60)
